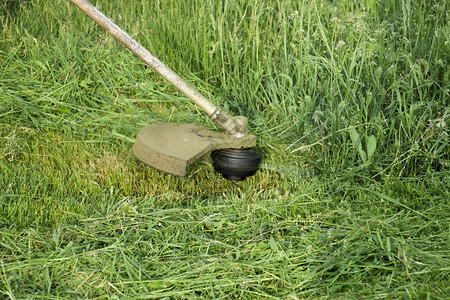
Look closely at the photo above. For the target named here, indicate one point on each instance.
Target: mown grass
(349, 100)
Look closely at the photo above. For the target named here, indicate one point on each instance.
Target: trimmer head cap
(236, 164)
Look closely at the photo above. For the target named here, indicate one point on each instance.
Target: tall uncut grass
(350, 104)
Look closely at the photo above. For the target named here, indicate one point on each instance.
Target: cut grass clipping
(350, 103)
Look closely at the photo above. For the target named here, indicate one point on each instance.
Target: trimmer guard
(170, 148)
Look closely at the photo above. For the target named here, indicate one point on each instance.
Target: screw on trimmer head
(171, 147)
(236, 164)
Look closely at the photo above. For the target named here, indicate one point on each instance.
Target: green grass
(350, 104)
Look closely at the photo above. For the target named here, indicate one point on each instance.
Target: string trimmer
(171, 147)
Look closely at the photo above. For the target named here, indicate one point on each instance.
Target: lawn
(349, 100)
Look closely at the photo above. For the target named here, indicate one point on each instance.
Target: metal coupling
(235, 126)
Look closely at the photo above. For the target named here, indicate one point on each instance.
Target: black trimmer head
(236, 164)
